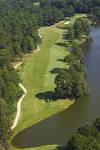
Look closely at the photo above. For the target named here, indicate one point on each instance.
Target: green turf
(36, 77)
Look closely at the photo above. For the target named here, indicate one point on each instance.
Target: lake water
(59, 128)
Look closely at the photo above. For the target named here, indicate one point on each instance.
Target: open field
(36, 77)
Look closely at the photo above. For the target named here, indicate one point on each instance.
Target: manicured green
(36, 77)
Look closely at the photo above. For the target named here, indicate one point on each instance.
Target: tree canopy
(71, 83)
(87, 137)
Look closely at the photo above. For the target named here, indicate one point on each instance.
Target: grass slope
(36, 77)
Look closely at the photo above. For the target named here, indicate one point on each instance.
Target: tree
(5, 58)
(81, 142)
(4, 124)
(97, 123)
(71, 83)
(63, 85)
(81, 27)
(70, 11)
(88, 130)
(97, 12)
(71, 33)
(78, 29)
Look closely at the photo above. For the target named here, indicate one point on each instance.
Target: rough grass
(36, 77)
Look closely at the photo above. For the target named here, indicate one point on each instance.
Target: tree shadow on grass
(62, 44)
(47, 96)
(57, 70)
(60, 60)
(51, 95)
(65, 36)
(60, 148)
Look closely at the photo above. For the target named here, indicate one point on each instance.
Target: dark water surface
(59, 128)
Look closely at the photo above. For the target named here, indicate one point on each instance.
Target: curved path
(19, 107)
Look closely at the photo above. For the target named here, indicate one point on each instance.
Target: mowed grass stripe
(38, 64)
(56, 53)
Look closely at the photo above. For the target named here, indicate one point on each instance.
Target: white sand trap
(66, 23)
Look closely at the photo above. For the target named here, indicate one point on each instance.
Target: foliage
(4, 124)
(81, 27)
(88, 130)
(87, 138)
(71, 83)
(19, 23)
(80, 142)
(97, 124)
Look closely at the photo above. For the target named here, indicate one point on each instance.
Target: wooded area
(19, 23)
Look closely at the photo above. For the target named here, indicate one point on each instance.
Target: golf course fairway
(36, 76)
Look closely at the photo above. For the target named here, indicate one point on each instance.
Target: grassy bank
(47, 147)
(36, 77)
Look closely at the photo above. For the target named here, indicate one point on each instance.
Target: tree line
(9, 93)
(19, 23)
(71, 81)
(20, 20)
(80, 29)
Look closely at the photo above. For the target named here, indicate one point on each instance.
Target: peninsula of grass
(37, 77)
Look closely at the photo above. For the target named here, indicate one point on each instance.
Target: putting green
(37, 78)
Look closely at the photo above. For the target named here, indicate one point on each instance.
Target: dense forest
(19, 23)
